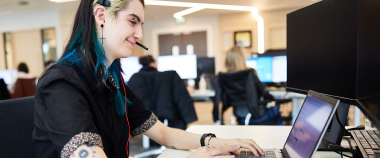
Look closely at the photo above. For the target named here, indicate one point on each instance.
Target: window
(49, 45)
(8, 49)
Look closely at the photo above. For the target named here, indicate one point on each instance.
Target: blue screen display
(263, 66)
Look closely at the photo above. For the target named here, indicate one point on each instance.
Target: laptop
(308, 129)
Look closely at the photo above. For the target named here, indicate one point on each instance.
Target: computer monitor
(184, 65)
(205, 65)
(130, 66)
(279, 69)
(8, 75)
(263, 66)
(332, 48)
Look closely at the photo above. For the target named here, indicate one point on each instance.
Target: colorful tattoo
(83, 153)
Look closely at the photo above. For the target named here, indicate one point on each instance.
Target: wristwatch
(204, 137)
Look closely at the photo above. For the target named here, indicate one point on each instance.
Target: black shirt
(148, 69)
(70, 112)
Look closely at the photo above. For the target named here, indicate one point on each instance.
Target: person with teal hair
(83, 108)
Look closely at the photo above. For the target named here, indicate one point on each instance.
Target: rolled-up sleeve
(140, 117)
(67, 118)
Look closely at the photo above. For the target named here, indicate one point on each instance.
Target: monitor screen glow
(184, 65)
(308, 128)
(130, 66)
(279, 68)
(269, 69)
(263, 66)
(8, 75)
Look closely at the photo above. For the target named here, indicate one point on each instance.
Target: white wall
(30, 21)
(275, 28)
(66, 24)
(210, 24)
(28, 51)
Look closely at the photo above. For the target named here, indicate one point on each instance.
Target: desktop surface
(267, 137)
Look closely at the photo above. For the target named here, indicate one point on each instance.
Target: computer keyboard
(244, 153)
(368, 142)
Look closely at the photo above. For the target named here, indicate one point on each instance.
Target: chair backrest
(4, 93)
(147, 86)
(17, 124)
(166, 95)
(243, 91)
(24, 87)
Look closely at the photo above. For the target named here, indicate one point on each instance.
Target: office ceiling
(11, 7)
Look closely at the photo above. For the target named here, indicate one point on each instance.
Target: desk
(297, 98)
(267, 137)
(204, 95)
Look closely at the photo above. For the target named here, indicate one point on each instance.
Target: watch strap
(204, 137)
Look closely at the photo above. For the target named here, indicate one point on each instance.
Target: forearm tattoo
(84, 153)
(173, 147)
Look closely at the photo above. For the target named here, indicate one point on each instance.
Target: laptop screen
(308, 127)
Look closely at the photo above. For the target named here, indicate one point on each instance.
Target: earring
(102, 33)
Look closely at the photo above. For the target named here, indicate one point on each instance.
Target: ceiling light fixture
(198, 6)
(61, 1)
(180, 14)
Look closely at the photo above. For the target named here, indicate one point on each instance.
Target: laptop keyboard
(244, 153)
(368, 142)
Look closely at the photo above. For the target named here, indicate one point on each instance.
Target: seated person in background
(149, 64)
(22, 72)
(82, 107)
(164, 93)
(149, 85)
(235, 61)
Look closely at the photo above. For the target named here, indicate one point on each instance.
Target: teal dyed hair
(71, 57)
(86, 52)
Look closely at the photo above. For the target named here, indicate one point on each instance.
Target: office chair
(17, 124)
(165, 94)
(248, 96)
(4, 93)
(24, 87)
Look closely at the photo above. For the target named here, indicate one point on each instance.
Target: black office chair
(248, 96)
(165, 94)
(4, 93)
(17, 124)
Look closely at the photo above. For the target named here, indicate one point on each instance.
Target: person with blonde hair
(235, 60)
(82, 107)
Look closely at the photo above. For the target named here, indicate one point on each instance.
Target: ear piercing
(101, 25)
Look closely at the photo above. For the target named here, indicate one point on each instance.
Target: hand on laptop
(211, 152)
(232, 145)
